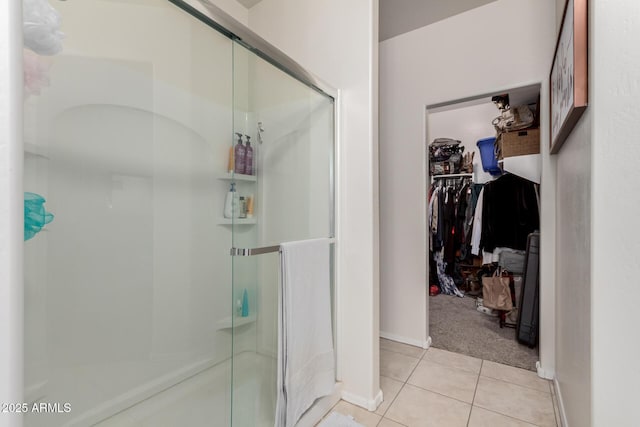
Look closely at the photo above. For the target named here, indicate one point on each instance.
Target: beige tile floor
(424, 388)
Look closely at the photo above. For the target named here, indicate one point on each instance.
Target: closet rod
(451, 175)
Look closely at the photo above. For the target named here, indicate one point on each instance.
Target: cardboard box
(521, 142)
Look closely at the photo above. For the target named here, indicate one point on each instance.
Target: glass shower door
(126, 290)
(290, 127)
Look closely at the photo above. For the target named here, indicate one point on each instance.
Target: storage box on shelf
(488, 155)
(520, 143)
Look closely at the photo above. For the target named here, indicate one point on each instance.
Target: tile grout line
(509, 416)
(404, 383)
(556, 405)
(506, 415)
(390, 404)
(554, 400)
(475, 391)
(403, 354)
(389, 419)
(438, 393)
(454, 367)
(516, 384)
(549, 382)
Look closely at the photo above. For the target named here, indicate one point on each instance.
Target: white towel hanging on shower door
(306, 366)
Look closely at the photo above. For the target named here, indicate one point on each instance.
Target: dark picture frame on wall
(568, 80)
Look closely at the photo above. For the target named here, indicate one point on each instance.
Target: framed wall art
(569, 75)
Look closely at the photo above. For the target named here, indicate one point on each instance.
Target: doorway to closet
(483, 210)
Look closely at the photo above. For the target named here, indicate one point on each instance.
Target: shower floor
(203, 400)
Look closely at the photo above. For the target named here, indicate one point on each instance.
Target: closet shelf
(237, 177)
(237, 221)
(228, 322)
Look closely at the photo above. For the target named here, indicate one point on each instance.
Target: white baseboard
(563, 414)
(543, 373)
(368, 404)
(427, 343)
(405, 340)
(320, 408)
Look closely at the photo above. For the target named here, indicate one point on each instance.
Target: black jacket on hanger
(509, 213)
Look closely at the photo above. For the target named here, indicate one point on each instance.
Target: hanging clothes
(449, 220)
(447, 217)
(477, 225)
(446, 283)
(472, 200)
(509, 213)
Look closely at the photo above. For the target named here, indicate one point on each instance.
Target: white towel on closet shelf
(306, 367)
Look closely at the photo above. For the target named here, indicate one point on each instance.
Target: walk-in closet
(483, 222)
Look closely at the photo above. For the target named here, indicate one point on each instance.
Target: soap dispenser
(231, 202)
(248, 165)
(240, 155)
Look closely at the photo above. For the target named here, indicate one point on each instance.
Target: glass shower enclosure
(136, 313)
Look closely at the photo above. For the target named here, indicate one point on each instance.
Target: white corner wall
(615, 237)
(338, 41)
(573, 293)
(11, 209)
(573, 271)
(457, 58)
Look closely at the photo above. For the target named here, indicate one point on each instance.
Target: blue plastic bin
(488, 155)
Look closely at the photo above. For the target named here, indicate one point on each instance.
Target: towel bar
(254, 251)
(260, 251)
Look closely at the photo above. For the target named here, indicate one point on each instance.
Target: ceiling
(401, 16)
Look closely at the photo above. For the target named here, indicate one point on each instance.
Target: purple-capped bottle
(248, 165)
(240, 155)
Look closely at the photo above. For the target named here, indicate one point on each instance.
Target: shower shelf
(36, 150)
(237, 177)
(237, 221)
(237, 321)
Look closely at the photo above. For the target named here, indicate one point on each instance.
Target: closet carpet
(455, 325)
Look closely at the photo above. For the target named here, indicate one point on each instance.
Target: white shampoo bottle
(231, 202)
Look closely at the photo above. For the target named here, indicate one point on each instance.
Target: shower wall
(126, 288)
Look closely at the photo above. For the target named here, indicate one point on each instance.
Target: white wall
(615, 239)
(452, 59)
(573, 293)
(597, 205)
(337, 41)
(573, 272)
(560, 5)
(11, 208)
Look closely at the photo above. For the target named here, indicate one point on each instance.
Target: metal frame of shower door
(11, 206)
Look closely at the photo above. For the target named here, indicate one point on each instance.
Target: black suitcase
(528, 316)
